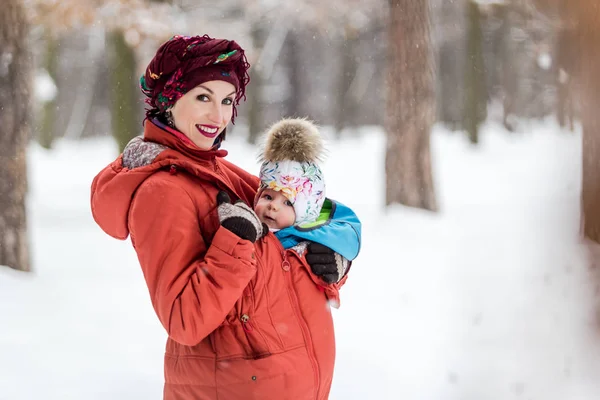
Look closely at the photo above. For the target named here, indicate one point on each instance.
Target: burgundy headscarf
(184, 62)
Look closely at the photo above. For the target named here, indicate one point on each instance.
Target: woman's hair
(184, 62)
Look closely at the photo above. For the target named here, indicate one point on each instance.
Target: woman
(238, 329)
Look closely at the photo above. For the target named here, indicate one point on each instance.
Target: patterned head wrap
(184, 62)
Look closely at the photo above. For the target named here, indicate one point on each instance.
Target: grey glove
(239, 218)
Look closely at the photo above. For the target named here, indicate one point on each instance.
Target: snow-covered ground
(491, 298)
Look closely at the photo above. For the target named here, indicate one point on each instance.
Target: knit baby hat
(292, 150)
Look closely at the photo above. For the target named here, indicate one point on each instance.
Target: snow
(44, 89)
(544, 61)
(491, 298)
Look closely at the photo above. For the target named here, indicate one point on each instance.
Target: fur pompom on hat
(184, 62)
(292, 150)
(295, 140)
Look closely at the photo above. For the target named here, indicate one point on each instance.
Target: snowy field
(489, 299)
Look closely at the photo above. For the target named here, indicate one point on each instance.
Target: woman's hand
(326, 263)
(239, 218)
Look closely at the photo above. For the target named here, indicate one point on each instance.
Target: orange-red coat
(245, 321)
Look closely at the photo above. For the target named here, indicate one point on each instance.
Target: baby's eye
(228, 101)
(288, 203)
(202, 97)
(268, 197)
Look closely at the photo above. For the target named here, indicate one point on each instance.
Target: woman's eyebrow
(211, 92)
(204, 87)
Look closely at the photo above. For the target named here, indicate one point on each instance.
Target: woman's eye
(227, 101)
(202, 97)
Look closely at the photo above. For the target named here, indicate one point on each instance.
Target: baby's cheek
(291, 217)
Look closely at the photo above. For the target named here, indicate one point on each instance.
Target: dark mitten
(239, 218)
(326, 263)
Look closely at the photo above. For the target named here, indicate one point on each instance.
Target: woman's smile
(209, 131)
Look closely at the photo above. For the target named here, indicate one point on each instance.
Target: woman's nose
(216, 115)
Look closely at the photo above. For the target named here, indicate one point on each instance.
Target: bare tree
(476, 96)
(15, 78)
(585, 17)
(345, 107)
(410, 106)
(45, 134)
(256, 123)
(566, 59)
(124, 122)
(450, 23)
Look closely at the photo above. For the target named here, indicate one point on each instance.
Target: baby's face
(275, 210)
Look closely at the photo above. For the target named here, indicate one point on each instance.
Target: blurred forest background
(70, 69)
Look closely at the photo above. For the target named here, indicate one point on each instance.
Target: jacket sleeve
(331, 290)
(192, 287)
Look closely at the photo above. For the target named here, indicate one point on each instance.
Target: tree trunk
(294, 57)
(48, 117)
(410, 106)
(255, 99)
(566, 66)
(450, 20)
(344, 108)
(475, 93)
(15, 78)
(587, 15)
(510, 73)
(124, 99)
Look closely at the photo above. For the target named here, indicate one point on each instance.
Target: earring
(169, 118)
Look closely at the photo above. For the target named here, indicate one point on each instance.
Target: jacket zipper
(249, 329)
(285, 265)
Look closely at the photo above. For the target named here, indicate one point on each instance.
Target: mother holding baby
(246, 317)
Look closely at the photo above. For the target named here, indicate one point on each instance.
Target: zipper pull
(245, 318)
(285, 264)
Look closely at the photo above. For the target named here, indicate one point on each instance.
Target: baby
(292, 186)
(291, 200)
(291, 204)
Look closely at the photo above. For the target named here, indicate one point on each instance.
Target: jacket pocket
(238, 341)
(256, 340)
(247, 318)
(239, 336)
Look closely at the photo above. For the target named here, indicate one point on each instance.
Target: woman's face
(203, 113)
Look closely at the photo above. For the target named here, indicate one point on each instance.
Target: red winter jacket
(245, 321)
